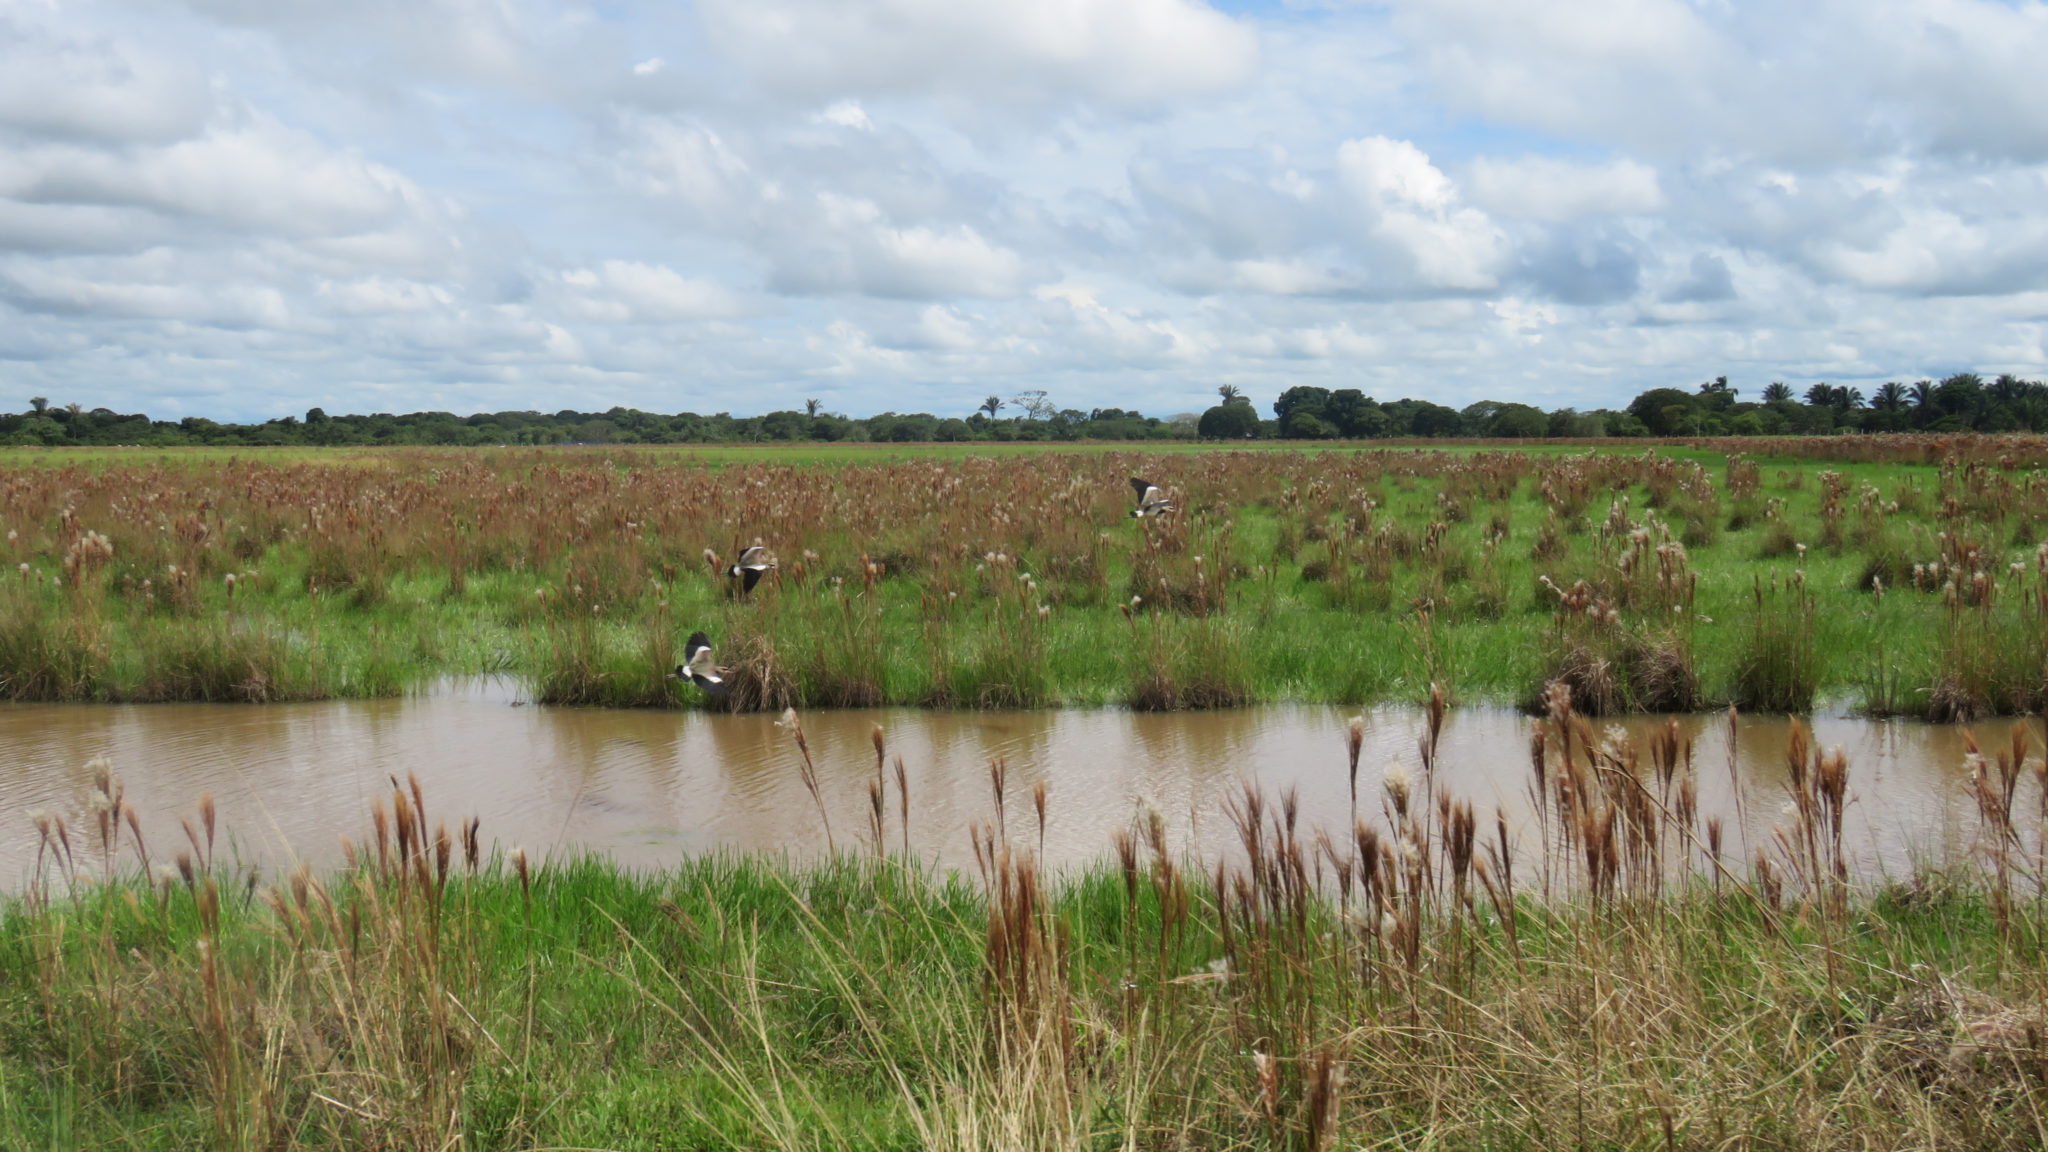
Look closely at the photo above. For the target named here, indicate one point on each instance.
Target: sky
(242, 209)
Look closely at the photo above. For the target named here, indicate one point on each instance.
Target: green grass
(1407, 987)
(367, 571)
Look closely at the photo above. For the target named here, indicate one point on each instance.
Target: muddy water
(649, 787)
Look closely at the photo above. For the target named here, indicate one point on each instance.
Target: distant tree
(1889, 397)
(811, 407)
(1518, 421)
(1426, 419)
(786, 426)
(1478, 416)
(1355, 414)
(1570, 422)
(1034, 404)
(1308, 426)
(1960, 395)
(1230, 393)
(1922, 393)
(1300, 403)
(38, 429)
(1777, 392)
(1663, 410)
(40, 404)
(2007, 389)
(992, 405)
(1230, 420)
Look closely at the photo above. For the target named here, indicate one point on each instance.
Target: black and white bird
(753, 562)
(1151, 501)
(698, 668)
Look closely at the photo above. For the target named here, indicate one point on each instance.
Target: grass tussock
(223, 661)
(44, 656)
(1613, 665)
(1994, 658)
(1176, 665)
(1412, 972)
(1780, 660)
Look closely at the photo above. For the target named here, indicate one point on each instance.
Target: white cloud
(630, 292)
(224, 205)
(1552, 190)
(1135, 51)
(1287, 277)
(847, 114)
(385, 296)
(1412, 205)
(75, 85)
(941, 327)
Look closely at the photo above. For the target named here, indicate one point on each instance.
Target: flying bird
(1151, 501)
(698, 668)
(754, 560)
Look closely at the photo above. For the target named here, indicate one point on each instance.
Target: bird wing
(754, 556)
(1142, 488)
(697, 655)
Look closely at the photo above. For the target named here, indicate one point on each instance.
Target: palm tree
(1921, 393)
(811, 407)
(1890, 397)
(992, 405)
(1230, 392)
(1777, 391)
(1821, 395)
(39, 403)
(2007, 389)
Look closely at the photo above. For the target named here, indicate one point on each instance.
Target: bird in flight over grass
(1151, 501)
(753, 562)
(698, 668)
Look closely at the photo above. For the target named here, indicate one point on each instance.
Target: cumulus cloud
(1412, 205)
(244, 207)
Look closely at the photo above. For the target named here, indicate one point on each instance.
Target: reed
(1780, 669)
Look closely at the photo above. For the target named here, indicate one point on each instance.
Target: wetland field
(367, 717)
(1888, 575)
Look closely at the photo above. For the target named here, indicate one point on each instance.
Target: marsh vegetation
(1897, 575)
(1620, 971)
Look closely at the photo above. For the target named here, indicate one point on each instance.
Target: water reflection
(650, 787)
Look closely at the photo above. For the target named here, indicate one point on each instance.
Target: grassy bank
(1898, 575)
(1615, 976)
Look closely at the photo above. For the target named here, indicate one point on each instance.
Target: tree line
(1959, 403)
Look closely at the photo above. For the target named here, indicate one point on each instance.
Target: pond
(648, 787)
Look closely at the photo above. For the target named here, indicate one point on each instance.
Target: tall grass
(1415, 971)
(1994, 655)
(1780, 667)
(920, 578)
